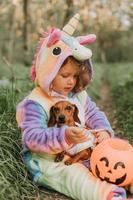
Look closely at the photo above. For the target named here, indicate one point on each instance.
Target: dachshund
(66, 113)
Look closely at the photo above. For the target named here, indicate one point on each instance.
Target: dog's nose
(62, 118)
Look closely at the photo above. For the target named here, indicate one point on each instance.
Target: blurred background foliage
(22, 22)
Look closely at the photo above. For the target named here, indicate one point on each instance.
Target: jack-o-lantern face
(112, 161)
(109, 172)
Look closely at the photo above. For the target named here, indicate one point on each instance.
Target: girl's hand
(102, 135)
(75, 135)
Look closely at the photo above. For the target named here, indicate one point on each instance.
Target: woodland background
(21, 25)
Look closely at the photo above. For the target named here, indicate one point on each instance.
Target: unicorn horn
(70, 27)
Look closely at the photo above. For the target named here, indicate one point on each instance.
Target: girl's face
(66, 78)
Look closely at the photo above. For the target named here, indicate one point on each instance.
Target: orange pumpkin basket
(112, 161)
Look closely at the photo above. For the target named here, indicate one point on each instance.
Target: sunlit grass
(120, 78)
(14, 182)
(119, 73)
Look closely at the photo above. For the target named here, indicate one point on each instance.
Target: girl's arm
(96, 119)
(32, 119)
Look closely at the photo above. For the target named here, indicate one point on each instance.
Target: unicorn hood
(54, 47)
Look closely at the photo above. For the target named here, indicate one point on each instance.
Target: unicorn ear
(54, 37)
(88, 39)
(71, 26)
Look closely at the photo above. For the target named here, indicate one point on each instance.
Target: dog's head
(63, 112)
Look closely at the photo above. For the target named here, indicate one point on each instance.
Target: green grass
(119, 73)
(96, 82)
(19, 70)
(17, 77)
(120, 77)
(14, 181)
(123, 98)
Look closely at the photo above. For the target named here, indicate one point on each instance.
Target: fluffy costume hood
(54, 47)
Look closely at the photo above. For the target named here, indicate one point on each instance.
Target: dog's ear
(52, 119)
(75, 115)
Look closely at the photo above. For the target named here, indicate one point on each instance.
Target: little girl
(61, 70)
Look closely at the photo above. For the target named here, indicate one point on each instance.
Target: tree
(26, 30)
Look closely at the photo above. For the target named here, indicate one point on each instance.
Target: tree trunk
(103, 56)
(11, 39)
(26, 31)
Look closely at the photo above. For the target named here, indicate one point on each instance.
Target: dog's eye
(56, 110)
(68, 108)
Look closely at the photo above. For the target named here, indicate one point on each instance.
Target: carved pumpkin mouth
(117, 182)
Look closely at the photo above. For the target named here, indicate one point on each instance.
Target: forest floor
(105, 103)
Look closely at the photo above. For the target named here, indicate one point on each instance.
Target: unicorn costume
(41, 143)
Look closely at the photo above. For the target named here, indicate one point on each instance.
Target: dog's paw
(59, 157)
(69, 161)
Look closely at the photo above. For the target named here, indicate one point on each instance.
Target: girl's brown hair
(85, 73)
